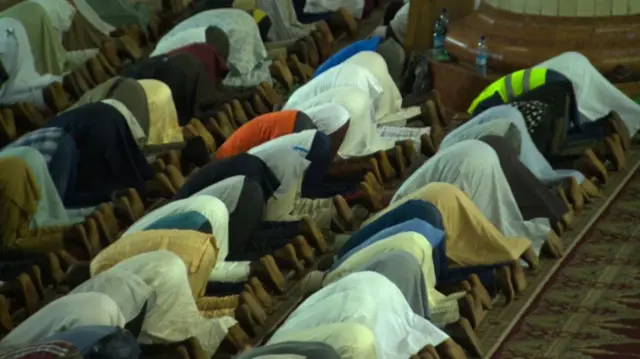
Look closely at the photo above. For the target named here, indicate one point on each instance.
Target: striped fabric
(46, 350)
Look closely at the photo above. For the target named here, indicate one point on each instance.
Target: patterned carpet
(591, 307)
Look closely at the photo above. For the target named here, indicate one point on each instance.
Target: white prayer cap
(328, 117)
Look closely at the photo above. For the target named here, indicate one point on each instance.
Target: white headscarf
(498, 120)
(65, 313)
(474, 167)
(328, 117)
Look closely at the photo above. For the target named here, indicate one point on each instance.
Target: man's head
(217, 38)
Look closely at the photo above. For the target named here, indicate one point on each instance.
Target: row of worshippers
(81, 43)
(611, 147)
(524, 221)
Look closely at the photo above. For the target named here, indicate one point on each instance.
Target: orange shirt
(258, 131)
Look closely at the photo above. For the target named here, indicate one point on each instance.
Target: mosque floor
(587, 304)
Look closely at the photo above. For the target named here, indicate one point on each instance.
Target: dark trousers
(315, 184)
(533, 197)
(63, 165)
(265, 239)
(247, 216)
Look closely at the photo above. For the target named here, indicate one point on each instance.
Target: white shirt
(286, 157)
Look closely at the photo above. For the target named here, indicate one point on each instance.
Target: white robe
(159, 278)
(341, 76)
(596, 96)
(369, 302)
(248, 63)
(65, 313)
(474, 167)
(496, 121)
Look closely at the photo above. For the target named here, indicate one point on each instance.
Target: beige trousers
(291, 207)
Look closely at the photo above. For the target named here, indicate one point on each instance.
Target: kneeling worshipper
(595, 96)
(264, 128)
(406, 272)
(107, 156)
(475, 167)
(248, 63)
(553, 87)
(365, 72)
(450, 213)
(396, 28)
(240, 182)
(301, 170)
(29, 79)
(425, 242)
(519, 150)
(194, 95)
(150, 292)
(552, 118)
(209, 215)
(33, 216)
(147, 102)
(79, 33)
(364, 315)
(45, 40)
(69, 312)
(390, 50)
(508, 122)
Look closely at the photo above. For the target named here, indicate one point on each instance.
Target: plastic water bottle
(438, 38)
(444, 20)
(482, 56)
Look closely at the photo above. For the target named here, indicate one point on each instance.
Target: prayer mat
(590, 308)
(505, 334)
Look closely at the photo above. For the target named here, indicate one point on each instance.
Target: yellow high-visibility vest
(512, 85)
